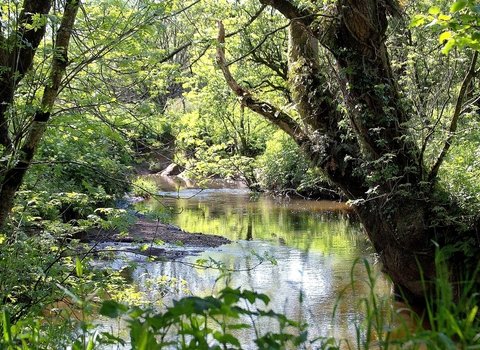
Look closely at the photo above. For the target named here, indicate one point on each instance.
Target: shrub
(284, 169)
(144, 187)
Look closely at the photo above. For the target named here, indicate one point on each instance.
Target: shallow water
(315, 245)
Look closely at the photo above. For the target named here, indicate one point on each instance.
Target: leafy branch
(265, 109)
(456, 115)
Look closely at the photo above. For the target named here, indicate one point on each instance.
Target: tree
(96, 80)
(359, 129)
(17, 53)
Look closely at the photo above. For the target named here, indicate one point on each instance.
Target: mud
(156, 233)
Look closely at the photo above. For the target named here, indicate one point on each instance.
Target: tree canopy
(380, 97)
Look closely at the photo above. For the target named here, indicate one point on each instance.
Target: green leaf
(474, 45)
(448, 46)
(78, 266)
(91, 342)
(457, 6)
(226, 339)
(112, 309)
(444, 36)
(239, 326)
(435, 10)
(136, 312)
(471, 316)
(7, 329)
(467, 18)
(417, 20)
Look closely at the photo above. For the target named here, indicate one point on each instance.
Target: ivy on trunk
(375, 160)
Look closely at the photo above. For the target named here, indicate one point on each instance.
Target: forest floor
(154, 239)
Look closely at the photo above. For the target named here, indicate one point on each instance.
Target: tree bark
(376, 163)
(16, 57)
(13, 177)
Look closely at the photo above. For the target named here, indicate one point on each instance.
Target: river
(315, 245)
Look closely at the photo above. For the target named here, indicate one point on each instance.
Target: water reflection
(314, 243)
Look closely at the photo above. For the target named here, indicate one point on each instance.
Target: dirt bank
(145, 231)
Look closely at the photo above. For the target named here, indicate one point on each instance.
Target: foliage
(459, 28)
(283, 169)
(214, 322)
(46, 269)
(453, 113)
(139, 73)
(215, 138)
(208, 322)
(440, 324)
(461, 169)
(144, 187)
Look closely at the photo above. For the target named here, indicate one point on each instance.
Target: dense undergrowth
(45, 268)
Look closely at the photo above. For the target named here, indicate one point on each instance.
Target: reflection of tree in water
(319, 225)
(249, 228)
(215, 212)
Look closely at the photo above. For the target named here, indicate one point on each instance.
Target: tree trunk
(376, 162)
(16, 58)
(13, 177)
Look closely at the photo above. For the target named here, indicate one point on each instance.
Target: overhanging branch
(265, 109)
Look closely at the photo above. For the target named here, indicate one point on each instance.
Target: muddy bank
(154, 232)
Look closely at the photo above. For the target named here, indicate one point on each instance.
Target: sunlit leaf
(457, 6)
(444, 36)
(7, 333)
(448, 46)
(417, 20)
(78, 267)
(435, 10)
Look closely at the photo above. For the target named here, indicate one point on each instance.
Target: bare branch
(262, 41)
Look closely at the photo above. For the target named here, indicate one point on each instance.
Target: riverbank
(155, 234)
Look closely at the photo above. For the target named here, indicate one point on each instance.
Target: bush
(284, 169)
(207, 323)
(144, 187)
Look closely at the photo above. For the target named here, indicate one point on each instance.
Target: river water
(315, 245)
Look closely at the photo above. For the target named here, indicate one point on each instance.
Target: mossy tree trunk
(374, 161)
(17, 51)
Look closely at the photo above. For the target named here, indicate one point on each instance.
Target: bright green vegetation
(212, 322)
(90, 91)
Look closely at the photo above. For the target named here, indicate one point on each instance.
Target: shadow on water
(315, 244)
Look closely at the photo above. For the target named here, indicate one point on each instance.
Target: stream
(315, 245)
